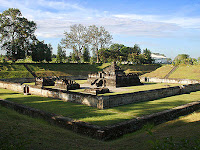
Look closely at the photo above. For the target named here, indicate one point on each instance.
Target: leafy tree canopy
(16, 33)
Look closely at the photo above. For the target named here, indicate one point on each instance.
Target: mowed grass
(187, 72)
(18, 131)
(140, 69)
(95, 116)
(131, 89)
(145, 87)
(160, 72)
(63, 69)
(13, 71)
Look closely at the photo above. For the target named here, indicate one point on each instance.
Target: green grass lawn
(145, 87)
(13, 71)
(17, 70)
(160, 72)
(18, 131)
(187, 72)
(182, 72)
(141, 69)
(131, 89)
(95, 116)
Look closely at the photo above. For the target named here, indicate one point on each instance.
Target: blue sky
(169, 27)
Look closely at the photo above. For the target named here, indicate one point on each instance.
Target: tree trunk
(97, 56)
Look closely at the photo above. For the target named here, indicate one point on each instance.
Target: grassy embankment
(13, 71)
(44, 69)
(187, 72)
(182, 72)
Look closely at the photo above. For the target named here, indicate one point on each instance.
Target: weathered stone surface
(103, 102)
(113, 76)
(66, 84)
(164, 80)
(45, 81)
(97, 91)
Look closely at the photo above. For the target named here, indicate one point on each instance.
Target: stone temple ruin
(66, 84)
(58, 82)
(45, 81)
(113, 76)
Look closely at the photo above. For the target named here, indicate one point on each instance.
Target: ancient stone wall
(141, 96)
(162, 80)
(107, 132)
(12, 86)
(103, 102)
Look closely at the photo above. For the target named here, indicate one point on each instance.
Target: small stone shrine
(113, 76)
(66, 84)
(45, 81)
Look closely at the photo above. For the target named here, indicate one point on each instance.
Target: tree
(181, 59)
(75, 58)
(48, 52)
(104, 55)
(198, 59)
(147, 56)
(60, 54)
(125, 51)
(41, 51)
(98, 38)
(86, 55)
(137, 49)
(76, 39)
(16, 33)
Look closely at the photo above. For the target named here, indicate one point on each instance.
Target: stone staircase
(173, 70)
(33, 73)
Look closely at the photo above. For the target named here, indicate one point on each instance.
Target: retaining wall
(103, 102)
(163, 80)
(107, 132)
(67, 96)
(129, 98)
(11, 86)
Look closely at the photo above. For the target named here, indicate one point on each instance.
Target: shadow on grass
(59, 107)
(1, 94)
(102, 117)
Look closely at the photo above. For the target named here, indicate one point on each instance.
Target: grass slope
(160, 72)
(9, 70)
(140, 69)
(182, 72)
(95, 116)
(187, 72)
(13, 71)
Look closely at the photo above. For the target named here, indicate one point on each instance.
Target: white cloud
(55, 17)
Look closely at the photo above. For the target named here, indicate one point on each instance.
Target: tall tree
(86, 55)
(48, 52)
(16, 33)
(181, 59)
(99, 38)
(61, 55)
(137, 49)
(76, 39)
(147, 56)
(41, 51)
